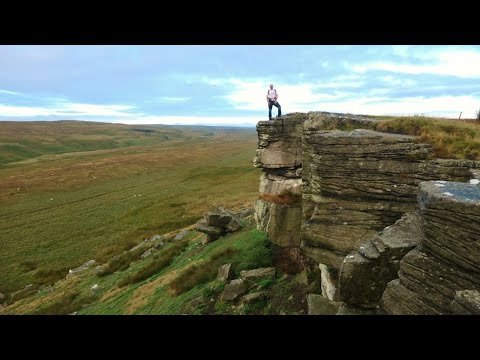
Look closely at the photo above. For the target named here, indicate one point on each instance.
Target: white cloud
(173, 99)
(453, 62)
(401, 50)
(68, 110)
(250, 94)
(447, 106)
(194, 120)
(3, 91)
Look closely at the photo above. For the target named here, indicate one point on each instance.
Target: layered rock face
(358, 216)
(356, 183)
(278, 211)
(434, 276)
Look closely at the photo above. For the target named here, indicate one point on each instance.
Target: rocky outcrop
(279, 155)
(358, 215)
(217, 223)
(280, 222)
(359, 182)
(447, 259)
(364, 274)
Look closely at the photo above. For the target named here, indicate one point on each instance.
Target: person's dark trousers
(277, 105)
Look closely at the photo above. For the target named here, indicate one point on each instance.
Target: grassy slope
(61, 210)
(246, 249)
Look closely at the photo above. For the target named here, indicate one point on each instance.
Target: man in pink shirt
(272, 100)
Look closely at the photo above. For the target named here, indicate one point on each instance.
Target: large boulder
(217, 223)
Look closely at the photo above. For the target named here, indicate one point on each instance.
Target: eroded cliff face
(433, 276)
(348, 200)
(278, 210)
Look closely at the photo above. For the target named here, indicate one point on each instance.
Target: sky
(227, 84)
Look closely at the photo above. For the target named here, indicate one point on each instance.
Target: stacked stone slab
(217, 223)
(279, 155)
(448, 259)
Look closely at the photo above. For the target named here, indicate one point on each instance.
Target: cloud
(173, 99)
(444, 106)
(3, 91)
(195, 120)
(250, 94)
(67, 110)
(455, 62)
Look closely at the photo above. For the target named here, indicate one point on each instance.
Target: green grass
(451, 139)
(68, 304)
(60, 210)
(160, 260)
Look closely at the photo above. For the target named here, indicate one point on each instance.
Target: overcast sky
(227, 84)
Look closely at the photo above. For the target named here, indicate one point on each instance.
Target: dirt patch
(289, 260)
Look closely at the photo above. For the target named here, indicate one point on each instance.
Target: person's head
(271, 86)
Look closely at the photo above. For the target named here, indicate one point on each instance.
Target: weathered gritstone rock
(258, 273)
(447, 261)
(276, 185)
(466, 302)
(280, 142)
(329, 281)
(81, 268)
(318, 305)
(364, 274)
(234, 290)
(181, 235)
(355, 183)
(256, 296)
(224, 273)
(452, 222)
(217, 223)
(280, 222)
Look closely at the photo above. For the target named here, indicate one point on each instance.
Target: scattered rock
(245, 213)
(147, 253)
(159, 245)
(224, 273)
(81, 268)
(95, 288)
(234, 290)
(156, 238)
(256, 296)
(258, 273)
(218, 222)
(329, 278)
(181, 235)
(318, 305)
(302, 278)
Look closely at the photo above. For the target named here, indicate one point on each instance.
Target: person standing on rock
(272, 100)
